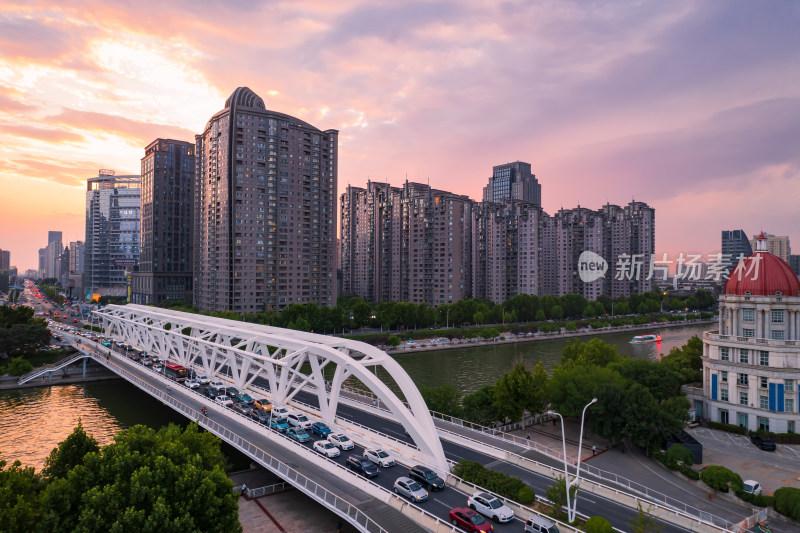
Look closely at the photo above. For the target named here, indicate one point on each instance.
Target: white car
(490, 506)
(192, 383)
(299, 420)
(216, 385)
(340, 440)
(224, 401)
(280, 411)
(202, 379)
(379, 457)
(326, 448)
(752, 487)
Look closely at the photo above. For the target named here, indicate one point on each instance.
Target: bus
(176, 372)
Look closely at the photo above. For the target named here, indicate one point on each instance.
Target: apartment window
(763, 423)
(777, 335)
(724, 376)
(763, 359)
(789, 384)
(744, 356)
(748, 332)
(723, 416)
(763, 383)
(777, 316)
(743, 398)
(724, 353)
(723, 394)
(788, 405)
(743, 379)
(763, 402)
(748, 315)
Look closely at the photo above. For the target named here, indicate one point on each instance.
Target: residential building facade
(776, 245)
(167, 238)
(111, 246)
(513, 181)
(264, 210)
(751, 364)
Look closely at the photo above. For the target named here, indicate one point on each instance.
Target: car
(752, 487)
(243, 408)
(158, 367)
(233, 392)
(245, 398)
(299, 420)
(192, 383)
(211, 393)
(426, 477)
(539, 524)
(279, 424)
(298, 434)
(136, 357)
(120, 344)
(259, 416)
(202, 379)
(146, 361)
(361, 465)
(224, 400)
(218, 386)
(409, 488)
(469, 520)
(379, 457)
(340, 440)
(765, 443)
(326, 448)
(491, 507)
(281, 411)
(74, 320)
(107, 344)
(263, 404)
(321, 429)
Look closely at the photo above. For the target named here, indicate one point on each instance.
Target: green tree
(479, 406)
(595, 352)
(557, 493)
(556, 312)
(644, 522)
(19, 498)
(147, 481)
(787, 502)
(394, 340)
(540, 317)
(18, 366)
(443, 399)
(69, 453)
(661, 380)
(678, 453)
(570, 389)
(515, 392)
(720, 478)
(598, 524)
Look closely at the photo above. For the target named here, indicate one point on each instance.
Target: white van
(539, 524)
(752, 487)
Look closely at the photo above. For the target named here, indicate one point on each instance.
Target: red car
(74, 320)
(469, 520)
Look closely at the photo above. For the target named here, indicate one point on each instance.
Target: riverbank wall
(64, 376)
(471, 343)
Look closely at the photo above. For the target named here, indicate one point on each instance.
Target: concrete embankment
(64, 376)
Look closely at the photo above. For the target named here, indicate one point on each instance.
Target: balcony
(752, 341)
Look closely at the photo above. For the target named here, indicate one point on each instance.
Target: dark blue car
(362, 466)
(321, 429)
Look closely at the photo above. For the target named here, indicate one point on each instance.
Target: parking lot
(773, 470)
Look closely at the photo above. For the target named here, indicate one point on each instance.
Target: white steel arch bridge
(290, 361)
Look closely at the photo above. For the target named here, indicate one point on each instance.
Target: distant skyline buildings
(735, 245)
(513, 181)
(265, 209)
(776, 245)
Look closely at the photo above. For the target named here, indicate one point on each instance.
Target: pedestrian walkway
(290, 512)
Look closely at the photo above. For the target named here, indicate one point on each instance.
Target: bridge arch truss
(290, 361)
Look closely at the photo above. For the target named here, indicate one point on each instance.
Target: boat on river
(639, 339)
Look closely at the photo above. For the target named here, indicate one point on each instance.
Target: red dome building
(751, 365)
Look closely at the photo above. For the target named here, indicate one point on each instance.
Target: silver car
(490, 506)
(405, 486)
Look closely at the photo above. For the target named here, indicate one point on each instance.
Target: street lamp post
(572, 505)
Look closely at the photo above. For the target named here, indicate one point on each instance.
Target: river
(34, 420)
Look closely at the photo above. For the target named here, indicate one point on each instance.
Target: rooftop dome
(762, 274)
(243, 96)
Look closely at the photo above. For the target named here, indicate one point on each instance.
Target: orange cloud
(41, 134)
(137, 132)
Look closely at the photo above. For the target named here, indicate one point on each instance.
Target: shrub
(688, 472)
(720, 478)
(787, 502)
(760, 500)
(497, 482)
(727, 427)
(526, 495)
(598, 524)
(18, 366)
(677, 453)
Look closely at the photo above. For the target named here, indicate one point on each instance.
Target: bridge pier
(84, 367)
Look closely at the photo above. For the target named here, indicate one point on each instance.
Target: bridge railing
(263, 491)
(48, 368)
(297, 479)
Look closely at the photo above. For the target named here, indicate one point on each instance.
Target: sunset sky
(692, 107)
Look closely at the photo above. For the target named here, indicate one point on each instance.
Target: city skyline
(665, 104)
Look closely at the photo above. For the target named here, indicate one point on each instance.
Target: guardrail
(263, 491)
(24, 378)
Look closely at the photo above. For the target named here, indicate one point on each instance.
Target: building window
(763, 383)
(763, 423)
(748, 315)
(744, 356)
(742, 379)
(777, 335)
(763, 359)
(788, 405)
(777, 316)
(743, 398)
(763, 402)
(723, 394)
(749, 332)
(724, 376)
(724, 353)
(789, 384)
(723, 416)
